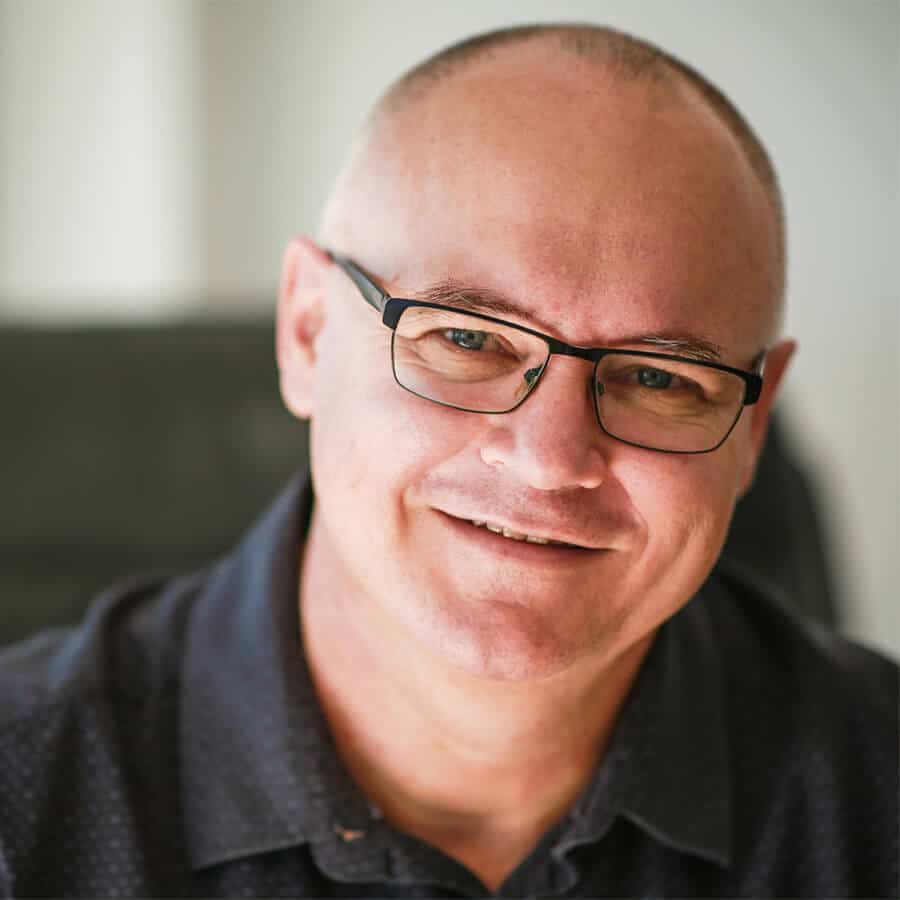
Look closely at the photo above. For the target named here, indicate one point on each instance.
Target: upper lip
(534, 529)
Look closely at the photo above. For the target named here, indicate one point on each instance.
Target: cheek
(370, 440)
(744, 441)
(686, 503)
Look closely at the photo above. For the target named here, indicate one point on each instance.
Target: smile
(518, 536)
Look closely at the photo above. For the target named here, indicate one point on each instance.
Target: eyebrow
(485, 300)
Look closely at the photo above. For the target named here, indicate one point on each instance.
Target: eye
(466, 339)
(655, 379)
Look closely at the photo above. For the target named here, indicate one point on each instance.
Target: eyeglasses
(478, 363)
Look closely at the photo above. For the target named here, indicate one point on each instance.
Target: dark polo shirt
(172, 745)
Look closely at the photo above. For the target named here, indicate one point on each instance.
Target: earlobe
(300, 320)
(777, 360)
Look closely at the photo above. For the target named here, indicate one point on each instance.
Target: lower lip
(521, 551)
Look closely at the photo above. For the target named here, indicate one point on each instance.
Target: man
(538, 342)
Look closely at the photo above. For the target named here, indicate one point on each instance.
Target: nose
(552, 441)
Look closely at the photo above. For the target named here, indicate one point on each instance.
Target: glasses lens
(666, 404)
(465, 361)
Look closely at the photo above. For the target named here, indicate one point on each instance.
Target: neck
(465, 762)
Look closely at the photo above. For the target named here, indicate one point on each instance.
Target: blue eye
(655, 379)
(467, 340)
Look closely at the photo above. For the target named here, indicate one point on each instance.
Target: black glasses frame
(392, 308)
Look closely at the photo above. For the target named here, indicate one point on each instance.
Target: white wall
(99, 207)
(155, 155)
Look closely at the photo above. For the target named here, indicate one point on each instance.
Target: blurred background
(155, 156)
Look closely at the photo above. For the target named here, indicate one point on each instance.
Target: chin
(505, 642)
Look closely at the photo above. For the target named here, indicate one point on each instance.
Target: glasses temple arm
(372, 294)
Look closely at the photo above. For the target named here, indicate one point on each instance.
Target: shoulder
(796, 656)
(123, 641)
(812, 721)
(86, 714)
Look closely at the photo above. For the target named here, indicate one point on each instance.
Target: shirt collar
(679, 781)
(667, 767)
(254, 742)
(261, 772)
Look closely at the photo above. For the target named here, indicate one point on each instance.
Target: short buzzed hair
(624, 57)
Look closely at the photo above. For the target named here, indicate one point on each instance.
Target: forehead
(603, 206)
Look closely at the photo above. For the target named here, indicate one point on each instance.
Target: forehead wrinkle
(480, 299)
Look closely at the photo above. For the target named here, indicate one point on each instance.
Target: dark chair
(130, 450)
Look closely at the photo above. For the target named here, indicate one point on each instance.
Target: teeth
(516, 535)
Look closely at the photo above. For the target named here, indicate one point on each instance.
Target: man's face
(607, 214)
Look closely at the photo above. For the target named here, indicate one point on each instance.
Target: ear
(776, 365)
(301, 317)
